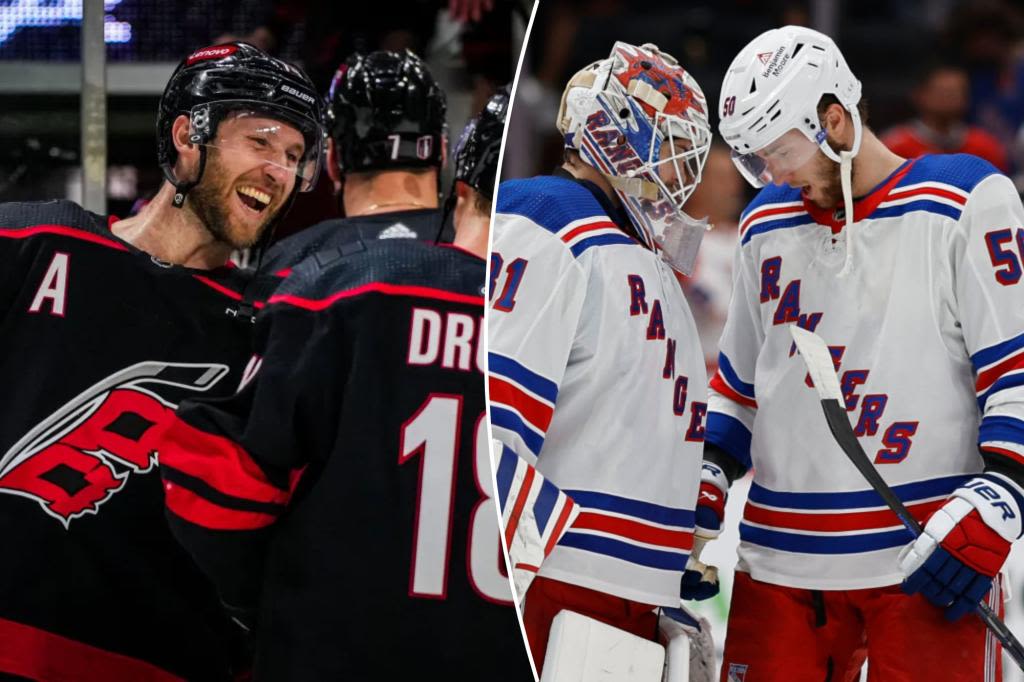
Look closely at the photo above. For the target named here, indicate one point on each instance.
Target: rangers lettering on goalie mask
(78, 457)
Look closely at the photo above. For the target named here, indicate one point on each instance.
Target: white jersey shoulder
(927, 334)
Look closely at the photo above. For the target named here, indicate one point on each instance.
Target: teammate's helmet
(386, 111)
(640, 120)
(770, 96)
(476, 155)
(218, 80)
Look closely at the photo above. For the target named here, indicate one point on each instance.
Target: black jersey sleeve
(230, 465)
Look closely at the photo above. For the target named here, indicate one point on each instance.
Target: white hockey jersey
(927, 332)
(595, 373)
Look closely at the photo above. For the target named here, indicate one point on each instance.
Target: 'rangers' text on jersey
(595, 372)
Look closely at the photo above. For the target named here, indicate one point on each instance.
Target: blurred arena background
(939, 76)
(60, 115)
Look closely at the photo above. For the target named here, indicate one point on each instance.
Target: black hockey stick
(819, 364)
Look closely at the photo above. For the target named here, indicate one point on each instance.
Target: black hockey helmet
(385, 110)
(217, 80)
(476, 155)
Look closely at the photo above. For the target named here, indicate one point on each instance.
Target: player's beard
(209, 200)
(828, 179)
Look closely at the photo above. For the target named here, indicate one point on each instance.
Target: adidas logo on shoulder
(397, 231)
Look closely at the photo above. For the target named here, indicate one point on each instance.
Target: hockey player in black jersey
(345, 491)
(386, 123)
(106, 326)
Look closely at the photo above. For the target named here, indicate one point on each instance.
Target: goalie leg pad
(547, 597)
(582, 649)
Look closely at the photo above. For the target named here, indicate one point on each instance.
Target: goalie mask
(641, 121)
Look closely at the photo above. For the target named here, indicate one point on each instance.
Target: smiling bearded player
(107, 325)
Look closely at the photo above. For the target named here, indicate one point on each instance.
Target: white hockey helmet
(769, 101)
(641, 120)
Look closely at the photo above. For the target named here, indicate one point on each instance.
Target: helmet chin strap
(634, 186)
(183, 187)
(845, 179)
(845, 160)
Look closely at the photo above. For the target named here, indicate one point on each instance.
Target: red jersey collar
(862, 207)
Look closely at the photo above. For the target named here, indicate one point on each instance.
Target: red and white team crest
(78, 457)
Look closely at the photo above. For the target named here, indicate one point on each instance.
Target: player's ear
(834, 120)
(188, 153)
(332, 165)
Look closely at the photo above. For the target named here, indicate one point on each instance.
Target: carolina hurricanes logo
(78, 457)
(666, 79)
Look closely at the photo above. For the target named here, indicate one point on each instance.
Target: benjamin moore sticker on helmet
(215, 52)
(774, 67)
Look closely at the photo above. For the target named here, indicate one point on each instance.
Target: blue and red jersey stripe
(838, 522)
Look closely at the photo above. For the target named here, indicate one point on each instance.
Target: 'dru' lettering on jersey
(77, 458)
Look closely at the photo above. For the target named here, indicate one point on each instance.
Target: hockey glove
(964, 544)
(699, 581)
(534, 514)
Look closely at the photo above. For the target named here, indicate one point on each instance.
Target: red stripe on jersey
(195, 509)
(765, 212)
(517, 509)
(283, 272)
(634, 530)
(63, 230)
(536, 412)
(992, 374)
(233, 295)
(710, 495)
(218, 462)
(589, 227)
(836, 521)
(377, 288)
(1009, 454)
(35, 654)
(559, 529)
(862, 207)
(934, 191)
(718, 384)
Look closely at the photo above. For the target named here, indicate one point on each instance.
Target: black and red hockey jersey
(421, 224)
(98, 343)
(347, 486)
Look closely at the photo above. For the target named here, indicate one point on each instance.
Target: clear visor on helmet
(776, 161)
(263, 135)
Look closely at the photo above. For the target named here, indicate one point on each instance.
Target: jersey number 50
(433, 433)
(1001, 253)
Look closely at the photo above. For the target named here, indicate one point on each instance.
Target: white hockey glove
(964, 545)
(534, 514)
